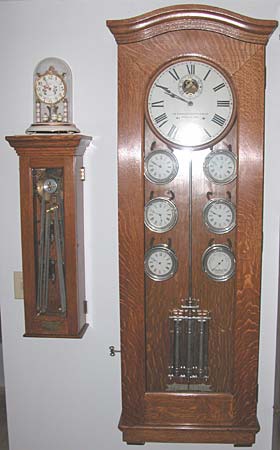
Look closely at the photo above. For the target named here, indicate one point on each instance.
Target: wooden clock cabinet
(51, 194)
(191, 83)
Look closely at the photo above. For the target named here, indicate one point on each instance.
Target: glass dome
(52, 98)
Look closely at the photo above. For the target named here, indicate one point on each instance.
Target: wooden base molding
(180, 434)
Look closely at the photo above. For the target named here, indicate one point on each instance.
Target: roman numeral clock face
(190, 104)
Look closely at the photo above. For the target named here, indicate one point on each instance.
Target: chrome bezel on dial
(173, 173)
(209, 225)
(172, 221)
(208, 173)
(218, 248)
(164, 249)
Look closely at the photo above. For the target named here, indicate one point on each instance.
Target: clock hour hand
(171, 94)
(218, 264)
(216, 214)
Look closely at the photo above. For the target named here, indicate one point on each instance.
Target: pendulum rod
(190, 228)
(46, 260)
(58, 243)
(40, 255)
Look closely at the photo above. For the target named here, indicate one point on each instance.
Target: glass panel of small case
(49, 241)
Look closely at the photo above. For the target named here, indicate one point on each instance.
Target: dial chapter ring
(157, 123)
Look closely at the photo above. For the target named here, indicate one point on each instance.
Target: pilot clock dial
(161, 166)
(218, 262)
(220, 166)
(219, 215)
(190, 104)
(160, 263)
(160, 214)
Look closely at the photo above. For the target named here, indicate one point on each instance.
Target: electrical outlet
(18, 285)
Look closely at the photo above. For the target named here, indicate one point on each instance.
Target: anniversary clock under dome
(190, 151)
(52, 98)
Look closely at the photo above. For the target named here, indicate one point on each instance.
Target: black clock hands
(171, 94)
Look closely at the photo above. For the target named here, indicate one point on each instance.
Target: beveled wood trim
(189, 434)
(191, 17)
(60, 145)
(65, 336)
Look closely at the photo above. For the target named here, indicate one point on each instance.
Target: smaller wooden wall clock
(51, 194)
(190, 151)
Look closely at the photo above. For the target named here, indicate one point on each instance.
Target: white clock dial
(50, 88)
(190, 104)
(218, 262)
(161, 166)
(160, 263)
(160, 215)
(220, 166)
(219, 216)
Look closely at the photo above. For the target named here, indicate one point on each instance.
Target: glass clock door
(49, 240)
(189, 266)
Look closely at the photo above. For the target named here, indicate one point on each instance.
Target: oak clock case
(190, 219)
(51, 195)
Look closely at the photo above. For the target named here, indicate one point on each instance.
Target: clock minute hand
(171, 94)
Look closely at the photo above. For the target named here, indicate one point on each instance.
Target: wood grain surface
(63, 152)
(228, 412)
(199, 17)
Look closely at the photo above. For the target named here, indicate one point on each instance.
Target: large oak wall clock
(191, 119)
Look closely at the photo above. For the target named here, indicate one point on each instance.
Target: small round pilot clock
(218, 262)
(161, 214)
(220, 166)
(190, 103)
(219, 215)
(161, 166)
(160, 263)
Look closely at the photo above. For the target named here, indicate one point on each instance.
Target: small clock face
(190, 104)
(218, 262)
(220, 166)
(50, 88)
(160, 215)
(161, 166)
(50, 186)
(160, 263)
(219, 216)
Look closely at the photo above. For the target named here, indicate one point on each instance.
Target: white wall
(65, 394)
(2, 380)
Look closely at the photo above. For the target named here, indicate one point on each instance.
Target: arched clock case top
(187, 338)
